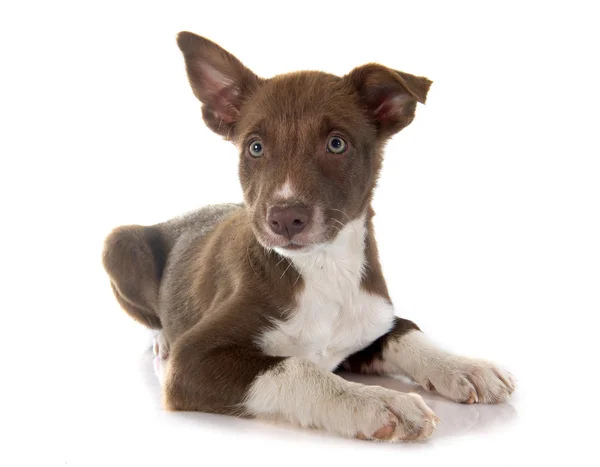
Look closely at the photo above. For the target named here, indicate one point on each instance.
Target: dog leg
(303, 394)
(406, 350)
(245, 382)
(134, 257)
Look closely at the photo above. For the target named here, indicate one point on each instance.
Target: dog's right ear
(219, 80)
(390, 96)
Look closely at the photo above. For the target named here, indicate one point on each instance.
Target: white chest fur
(334, 317)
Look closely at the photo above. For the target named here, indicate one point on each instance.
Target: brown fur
(211, 281)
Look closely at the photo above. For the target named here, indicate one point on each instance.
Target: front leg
(406, 350)
(235, 378)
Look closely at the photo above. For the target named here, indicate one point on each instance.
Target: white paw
(469, 380)
(376, 413)
(159, 369)
(160, 346)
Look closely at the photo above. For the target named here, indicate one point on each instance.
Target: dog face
(310, 143)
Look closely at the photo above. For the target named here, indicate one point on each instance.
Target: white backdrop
(488, 216)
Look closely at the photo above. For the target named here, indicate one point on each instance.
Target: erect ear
(219, 80)
(389, 96)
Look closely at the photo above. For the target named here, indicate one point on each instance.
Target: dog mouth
(297, 245)
(294, 249)
(293, 246)
(319, 231)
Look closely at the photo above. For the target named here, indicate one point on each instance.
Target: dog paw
(470, 381)
(377, 413)
(160, 346)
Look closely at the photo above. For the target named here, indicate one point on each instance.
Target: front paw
(376, 413)
(470, 381)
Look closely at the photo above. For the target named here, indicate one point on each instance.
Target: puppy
(258, 303)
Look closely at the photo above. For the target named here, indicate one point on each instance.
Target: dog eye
(255, 148)
(336, 145)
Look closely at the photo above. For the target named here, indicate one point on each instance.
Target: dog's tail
(134, 257)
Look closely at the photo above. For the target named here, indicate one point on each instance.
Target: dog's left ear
(219, 80)
(389, 96)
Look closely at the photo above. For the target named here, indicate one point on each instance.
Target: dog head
(310, 143)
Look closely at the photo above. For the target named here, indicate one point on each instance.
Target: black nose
(288, 220)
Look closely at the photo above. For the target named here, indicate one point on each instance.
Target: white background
(488, 217)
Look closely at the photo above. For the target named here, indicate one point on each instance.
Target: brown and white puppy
(258, 303)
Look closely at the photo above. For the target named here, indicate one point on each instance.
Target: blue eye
(336, 145)
(255, 148)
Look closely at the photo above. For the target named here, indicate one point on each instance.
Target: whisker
(250, 260)
(339, 210)
(349, 220)
(338, 221)
(296, 281)
(289, 266)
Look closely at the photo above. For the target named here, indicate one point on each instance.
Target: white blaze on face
(285, 192)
